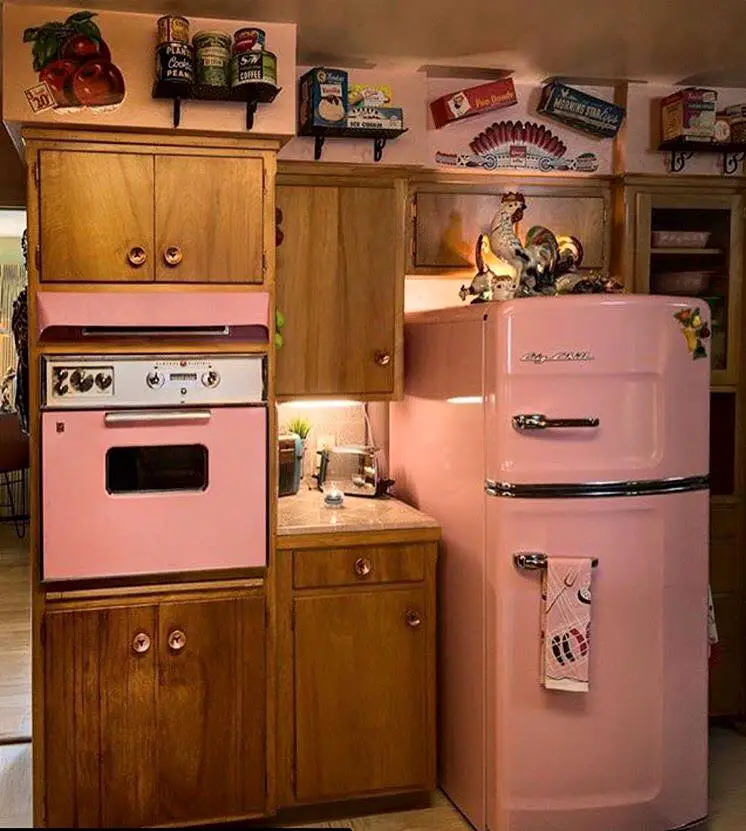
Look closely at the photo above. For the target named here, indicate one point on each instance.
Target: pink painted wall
(132, 41)
(643, 113)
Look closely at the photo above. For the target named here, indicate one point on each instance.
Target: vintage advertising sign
(580, 111)
(473, 101)
(519, 146)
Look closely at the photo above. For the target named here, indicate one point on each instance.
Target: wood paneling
(95, 208)
(361, 690)
(448, 224)
(355, 566)
(338, 287)
(211, 209)
(211, 717)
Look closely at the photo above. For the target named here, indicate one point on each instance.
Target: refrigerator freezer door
(595, 388)
(631, 753)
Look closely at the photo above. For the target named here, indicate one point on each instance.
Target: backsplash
(340, 424)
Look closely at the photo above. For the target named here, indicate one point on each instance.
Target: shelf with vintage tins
(681, 151)
(380, 136)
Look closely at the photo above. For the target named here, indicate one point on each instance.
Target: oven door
(153, 491)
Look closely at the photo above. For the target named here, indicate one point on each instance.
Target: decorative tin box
(581, 111)
(689, 114)
(323, 99)
(473, 101)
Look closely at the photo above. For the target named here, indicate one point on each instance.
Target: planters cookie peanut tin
(212, 52)
(172, 29)
(253, 68)
(174, 63)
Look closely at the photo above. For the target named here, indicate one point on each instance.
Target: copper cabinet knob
(382, 358)
(363, 567)
(173, 255)
(177, 640)
(141, 643)
(413, 618)
(136, 256)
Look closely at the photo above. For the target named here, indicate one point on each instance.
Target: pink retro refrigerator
(574, 426)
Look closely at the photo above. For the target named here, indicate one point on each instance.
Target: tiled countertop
(305, 513)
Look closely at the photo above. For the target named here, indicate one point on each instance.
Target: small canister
(248, 40)
(173, 29)
(174, 63)
(253, 68)
(212, 59)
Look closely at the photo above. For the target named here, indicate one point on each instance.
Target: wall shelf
(681, 151)
(249, 94)
(379, 136)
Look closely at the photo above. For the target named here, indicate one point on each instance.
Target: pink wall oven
(153, 464)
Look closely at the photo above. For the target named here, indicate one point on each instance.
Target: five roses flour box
(323, 98)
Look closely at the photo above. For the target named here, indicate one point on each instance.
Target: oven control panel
(87, 382)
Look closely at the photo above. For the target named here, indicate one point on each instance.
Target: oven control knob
(211, 379)
(154, 379)
(103, 381)
(60, 388)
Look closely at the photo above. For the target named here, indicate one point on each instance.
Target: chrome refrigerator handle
(538, 421)
(135, 417)
(533, 560)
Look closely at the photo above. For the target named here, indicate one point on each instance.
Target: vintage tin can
(212, 54)
(253, 68)
(173, 29)
(174, 63)
(248, 40)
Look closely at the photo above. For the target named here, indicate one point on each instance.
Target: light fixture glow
(317, 404)
(465, 399)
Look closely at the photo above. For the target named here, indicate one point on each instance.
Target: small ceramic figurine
(486, 285)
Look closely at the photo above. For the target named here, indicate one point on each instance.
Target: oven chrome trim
(124, 418)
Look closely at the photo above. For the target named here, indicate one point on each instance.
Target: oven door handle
(125, 418)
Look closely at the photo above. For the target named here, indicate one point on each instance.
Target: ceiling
(671, 41)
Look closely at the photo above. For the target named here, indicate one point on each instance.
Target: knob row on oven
(155, 379)
(79, 381)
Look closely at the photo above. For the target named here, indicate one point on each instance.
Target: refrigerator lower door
(631, 753)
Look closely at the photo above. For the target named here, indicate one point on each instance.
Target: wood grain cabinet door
(100, 718)
(211, 716)
(361, 693)
(96, 216)
(209, 219)
(337, 288)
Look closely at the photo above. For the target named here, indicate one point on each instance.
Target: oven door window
(156, 468)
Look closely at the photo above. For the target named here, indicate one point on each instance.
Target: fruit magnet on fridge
(74, 66)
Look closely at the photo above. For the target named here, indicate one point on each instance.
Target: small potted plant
(301, 427)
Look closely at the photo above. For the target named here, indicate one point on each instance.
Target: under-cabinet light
(465, 399)
(316, 404)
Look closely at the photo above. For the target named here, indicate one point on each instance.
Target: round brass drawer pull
(413, 618)
(382, 358)
(137, 256)
(363, 567)
(141, 643)
(173, 255)
(177, 640)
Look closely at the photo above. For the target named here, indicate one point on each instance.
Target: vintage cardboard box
(473, 101)
(689, 114)
(323, 99)
(580, 111)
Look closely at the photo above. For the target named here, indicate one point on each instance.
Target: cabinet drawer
(359, 565)
(723, 522)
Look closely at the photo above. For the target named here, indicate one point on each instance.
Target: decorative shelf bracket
(318, 146)
(378, 136)
(731, 161)
(177, 112)
(378, 145)
(679, 158)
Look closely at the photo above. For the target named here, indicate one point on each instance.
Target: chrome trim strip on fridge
(591, 489)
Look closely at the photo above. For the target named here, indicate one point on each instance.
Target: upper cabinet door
(96, 216)
(448, 223)
(209, 219)
(339, 276)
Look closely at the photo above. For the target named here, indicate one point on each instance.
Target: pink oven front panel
(89, 532)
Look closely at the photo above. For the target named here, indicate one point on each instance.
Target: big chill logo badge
(556, 357)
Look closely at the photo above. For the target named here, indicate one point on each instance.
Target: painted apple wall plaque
(74, 67)
(519, 145)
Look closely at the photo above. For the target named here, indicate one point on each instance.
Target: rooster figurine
(542, 260)
(486, 285)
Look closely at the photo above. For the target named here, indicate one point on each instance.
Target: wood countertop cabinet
(126, 211)
(356, 666)
(155, 710)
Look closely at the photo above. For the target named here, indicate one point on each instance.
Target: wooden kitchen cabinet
(356, 647)
(340, 283)
(155, 710)
(448, 216)
(132, 212)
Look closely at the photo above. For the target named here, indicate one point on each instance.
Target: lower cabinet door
(101, 718)
(211, 717)
(361, 688)
(155, 713)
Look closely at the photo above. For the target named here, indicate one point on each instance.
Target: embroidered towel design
(566, 625)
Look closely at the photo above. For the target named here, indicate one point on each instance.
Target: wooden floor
(727, 747)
